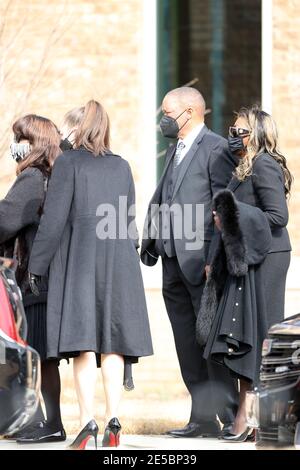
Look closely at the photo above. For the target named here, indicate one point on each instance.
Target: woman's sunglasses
(238, 132)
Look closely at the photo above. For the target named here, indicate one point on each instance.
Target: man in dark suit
(179, 227)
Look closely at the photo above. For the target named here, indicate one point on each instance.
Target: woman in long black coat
(35, 148)
(263, 180)
(246, 310)
(96, 300)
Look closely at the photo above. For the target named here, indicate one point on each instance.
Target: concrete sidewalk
(139, 442)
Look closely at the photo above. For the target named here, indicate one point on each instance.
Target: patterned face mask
(19, 151)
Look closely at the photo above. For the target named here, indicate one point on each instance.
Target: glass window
(216, 46)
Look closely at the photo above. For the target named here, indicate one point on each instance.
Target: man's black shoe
(43, 432)
(28, 429)
(209, 429)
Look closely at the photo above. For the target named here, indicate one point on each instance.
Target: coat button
(230, 334)
(237, 304)
(230, 350)
(233, 319)
(240, 288)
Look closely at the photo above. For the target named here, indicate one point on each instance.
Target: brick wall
(286, 97)
(55, 55)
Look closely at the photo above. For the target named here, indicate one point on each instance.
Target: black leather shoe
(24, 431)
(227, 427)
(242, 437)
(42, 432)
(90, 430)
(209, 429)
(112, 432)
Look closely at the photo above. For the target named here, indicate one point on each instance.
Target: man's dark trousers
(211, 388)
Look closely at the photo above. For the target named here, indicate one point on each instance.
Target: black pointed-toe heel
(112, 433)
(242, 437)
(90, 430)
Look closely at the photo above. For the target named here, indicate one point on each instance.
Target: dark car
(19, 363)
(274, 409)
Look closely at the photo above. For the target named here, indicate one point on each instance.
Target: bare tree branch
(16, 93)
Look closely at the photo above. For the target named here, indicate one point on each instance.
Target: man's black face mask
(169, 126)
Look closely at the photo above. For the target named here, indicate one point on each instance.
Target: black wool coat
(20, 213)
(232, 321)
(265, 189)
(96, 298)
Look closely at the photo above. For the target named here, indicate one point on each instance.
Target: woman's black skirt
(36, 316)
(240, 326)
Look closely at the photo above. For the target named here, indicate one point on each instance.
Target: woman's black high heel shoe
(244, 436)
(112, 434)
(90, 430)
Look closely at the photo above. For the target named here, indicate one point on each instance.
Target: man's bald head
(187, 106)
(188, 97)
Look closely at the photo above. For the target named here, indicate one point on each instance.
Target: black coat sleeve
(269, 186)
(22, 203)
(221, 166)
(56, 212)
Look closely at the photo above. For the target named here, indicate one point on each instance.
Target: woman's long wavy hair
(93, 132)
(263, 139)
(44, 139)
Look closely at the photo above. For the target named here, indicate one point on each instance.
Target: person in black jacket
(263, 179)
(96, 301)
(179, 228)
(70, 123)
(253, 300)
(35, 148)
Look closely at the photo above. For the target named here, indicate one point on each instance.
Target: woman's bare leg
(112, 367)
(85, 375)
(240, 423)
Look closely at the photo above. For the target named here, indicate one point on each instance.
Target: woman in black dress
(35, 148)
(96, 301)
(254, 293)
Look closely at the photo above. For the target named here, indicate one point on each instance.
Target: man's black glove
(34, 281)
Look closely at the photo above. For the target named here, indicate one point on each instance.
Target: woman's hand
(207, 270)
(217, 220)
(34, 280)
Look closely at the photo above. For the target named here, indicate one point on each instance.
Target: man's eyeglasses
(238, 132)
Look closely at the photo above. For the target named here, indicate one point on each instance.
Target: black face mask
(235, 144)
(169, 126)
(65, 144)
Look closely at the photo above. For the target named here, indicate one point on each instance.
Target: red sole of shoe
(113, 440)
(82, 444)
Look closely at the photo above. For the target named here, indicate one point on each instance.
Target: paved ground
(159, 401)
(130, 442)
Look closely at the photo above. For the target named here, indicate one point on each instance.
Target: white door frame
(266, 56)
